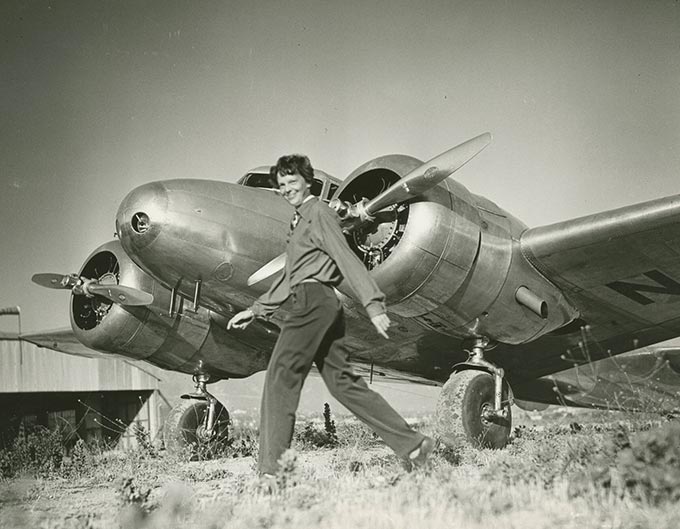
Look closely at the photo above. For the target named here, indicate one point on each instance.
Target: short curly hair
(293, 164)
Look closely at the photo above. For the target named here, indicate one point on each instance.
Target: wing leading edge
(64, 341)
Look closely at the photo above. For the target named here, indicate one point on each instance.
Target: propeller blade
(121, 294)
(116, 293)
(272, 267)
(59, 281)
(429, 174)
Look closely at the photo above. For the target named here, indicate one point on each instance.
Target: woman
(317, 260)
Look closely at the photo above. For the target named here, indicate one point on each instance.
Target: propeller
(92, 287)
(413, 184)
(268, 270)
(425, 177)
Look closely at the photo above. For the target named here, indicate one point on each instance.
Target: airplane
(494, 311)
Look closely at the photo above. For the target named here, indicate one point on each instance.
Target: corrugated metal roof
(25, 367)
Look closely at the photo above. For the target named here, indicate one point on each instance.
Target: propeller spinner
(92, 287)
(415, 183)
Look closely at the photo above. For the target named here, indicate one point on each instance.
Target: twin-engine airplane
(494, 310)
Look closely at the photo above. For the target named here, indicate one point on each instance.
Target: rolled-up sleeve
(332, 241)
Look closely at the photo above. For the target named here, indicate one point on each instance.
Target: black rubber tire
(458, 416)
(181, 431)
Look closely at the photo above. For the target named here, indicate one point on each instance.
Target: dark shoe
(418, 456)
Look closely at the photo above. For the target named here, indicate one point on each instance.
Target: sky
(98, 97)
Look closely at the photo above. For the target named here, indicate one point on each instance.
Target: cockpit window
(259, 180)
(267, 182)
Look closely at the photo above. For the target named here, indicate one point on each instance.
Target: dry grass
(542, 480)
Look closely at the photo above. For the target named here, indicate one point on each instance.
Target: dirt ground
(96, 501)
(358, 484)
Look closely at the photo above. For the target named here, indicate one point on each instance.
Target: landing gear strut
(474, 405)
(198, 424)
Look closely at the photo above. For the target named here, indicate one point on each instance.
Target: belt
(308, 282)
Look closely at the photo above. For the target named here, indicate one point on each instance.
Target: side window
(332, 188)
(317, 186)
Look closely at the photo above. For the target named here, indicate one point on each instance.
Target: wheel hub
(490, 415)
(203, 434)
(487, 414)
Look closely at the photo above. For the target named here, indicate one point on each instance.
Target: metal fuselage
(451, 268)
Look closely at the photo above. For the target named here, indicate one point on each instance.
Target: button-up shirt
(317, 250)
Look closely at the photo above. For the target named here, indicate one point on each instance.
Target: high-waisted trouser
(313, 332)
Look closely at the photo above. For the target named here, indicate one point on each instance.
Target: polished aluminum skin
(184, 340)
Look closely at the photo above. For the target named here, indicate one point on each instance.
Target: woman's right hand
(241, 320)
(381, 322)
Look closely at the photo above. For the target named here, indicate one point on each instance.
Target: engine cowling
(184, 340)
(420, 251)
(451, 260)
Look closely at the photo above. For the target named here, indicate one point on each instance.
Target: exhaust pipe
(526, 297)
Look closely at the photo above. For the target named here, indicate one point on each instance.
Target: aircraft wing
(64, 341)
(647, 380)
(621, 270)
(382, 374)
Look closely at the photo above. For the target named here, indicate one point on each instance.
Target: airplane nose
(141, 216)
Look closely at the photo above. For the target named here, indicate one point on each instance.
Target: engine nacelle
(421, 251)
(186, 340)
(451, 260)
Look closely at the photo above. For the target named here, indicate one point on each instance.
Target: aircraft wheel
(185, 429)
(460, 415)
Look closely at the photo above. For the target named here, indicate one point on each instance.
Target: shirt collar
(306, 205)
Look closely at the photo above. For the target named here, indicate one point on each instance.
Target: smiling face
(294, 188)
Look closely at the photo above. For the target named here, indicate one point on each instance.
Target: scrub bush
(645, 466)
(35, 451)
(312, 436)
(243, 443)
(130, 493)
(329, 424)
(80, 462)
(144, 442)
(650, 467)
(134, 500)
(546, 457)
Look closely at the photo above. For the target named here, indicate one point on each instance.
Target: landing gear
(474, 404)
(199, 424)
